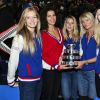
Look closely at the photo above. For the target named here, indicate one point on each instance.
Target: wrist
(86, 62)
(11, 84)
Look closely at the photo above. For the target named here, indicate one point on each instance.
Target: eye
(27, 17)
(30, 17)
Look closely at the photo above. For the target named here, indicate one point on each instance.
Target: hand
(80, 64)
(13, 84)
(16, 84)
(63, 67)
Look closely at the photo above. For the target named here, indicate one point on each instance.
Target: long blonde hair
(96, 17)
(27, 35)
(75, 34)
(97, 34)
(85, 16)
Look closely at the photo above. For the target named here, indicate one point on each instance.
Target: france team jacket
(29, 65)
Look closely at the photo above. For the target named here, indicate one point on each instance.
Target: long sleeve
(17, 46)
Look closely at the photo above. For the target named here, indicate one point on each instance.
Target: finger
(67, 67)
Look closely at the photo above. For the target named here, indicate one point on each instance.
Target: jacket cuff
(56, 67)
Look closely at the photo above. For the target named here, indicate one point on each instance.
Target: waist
(88, 67)
(28, 79)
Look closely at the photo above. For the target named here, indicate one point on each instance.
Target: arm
(47, 57)
(81, 63)
(14, 59)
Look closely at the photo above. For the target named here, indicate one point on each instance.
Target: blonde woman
(86, 76)
(69, 77)
(26, 56)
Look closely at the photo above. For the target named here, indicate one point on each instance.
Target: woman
(69, 77)
(97, 16)
(26, 56)
(97, 38)
(86, 76)
(52, 45)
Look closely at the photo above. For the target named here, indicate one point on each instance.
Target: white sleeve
(17, 46)
(97, 51)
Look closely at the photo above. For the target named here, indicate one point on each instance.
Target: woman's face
(51, 17)
(69, 24)
(31, 19)
(98, 14)
(87, 23)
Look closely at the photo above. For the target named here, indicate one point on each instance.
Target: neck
(51, 28)
(70, 34)
(32, 30)
(90, 32)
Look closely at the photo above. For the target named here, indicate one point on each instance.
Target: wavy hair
(75, 34)
(96, 17)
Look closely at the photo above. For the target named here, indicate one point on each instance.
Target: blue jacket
(30, 66)
(89, 51)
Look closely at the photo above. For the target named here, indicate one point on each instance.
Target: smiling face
(31, 19)
(51, 17)
(69, 25)
(87, 23)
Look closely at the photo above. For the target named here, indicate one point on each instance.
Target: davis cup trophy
(70, 56)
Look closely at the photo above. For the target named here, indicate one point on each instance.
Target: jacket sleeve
(17, 46)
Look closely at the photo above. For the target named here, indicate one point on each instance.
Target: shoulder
(44, 32)
(18, 42)
(18, 38)
(83, 37)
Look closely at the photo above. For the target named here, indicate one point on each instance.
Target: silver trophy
(70, 56)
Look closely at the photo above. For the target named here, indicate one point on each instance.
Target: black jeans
(51, 84)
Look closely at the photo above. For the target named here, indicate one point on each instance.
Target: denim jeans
(86, 83)
(30, 90)
(69, 85)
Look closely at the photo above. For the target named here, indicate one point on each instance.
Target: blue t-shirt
(89, 52)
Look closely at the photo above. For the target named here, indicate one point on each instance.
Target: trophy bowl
(70, 56)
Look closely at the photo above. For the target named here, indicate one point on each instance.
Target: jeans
(30, 90)
(69, 85)
(86, 83)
